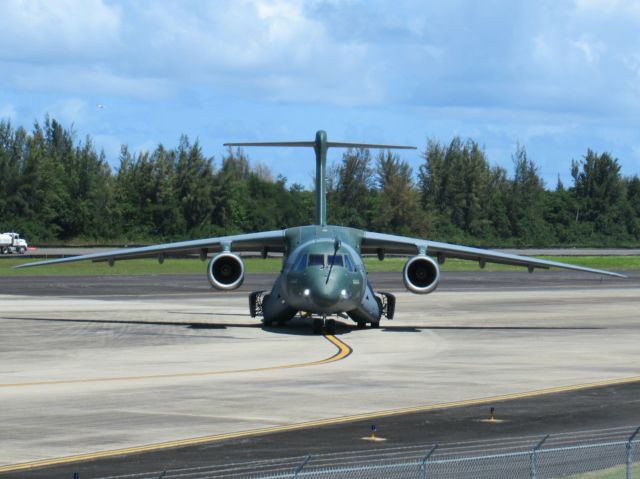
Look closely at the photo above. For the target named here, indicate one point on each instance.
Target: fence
(601, 460)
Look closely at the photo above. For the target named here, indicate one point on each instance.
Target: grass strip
(616, 472)
(273, 265)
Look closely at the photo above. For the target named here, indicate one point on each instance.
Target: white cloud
(548, 56)
(272, 49)
(592, 50)
(62, 30)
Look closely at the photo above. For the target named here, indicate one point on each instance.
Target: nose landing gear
(317, 325)
(329, 325)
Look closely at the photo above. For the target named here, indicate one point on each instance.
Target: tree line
(55, 188)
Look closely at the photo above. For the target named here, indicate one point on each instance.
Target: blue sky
(556, 76)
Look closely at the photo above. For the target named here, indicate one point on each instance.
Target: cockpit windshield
(337, 261)
(322, 260)
(316, 260)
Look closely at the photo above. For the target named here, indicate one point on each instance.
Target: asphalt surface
(592, 416)
(610, 413)
(119, 285)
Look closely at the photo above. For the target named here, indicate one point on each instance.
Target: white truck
(12, 243)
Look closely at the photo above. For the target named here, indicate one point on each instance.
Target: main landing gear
(256, 308)
(255, 303)
(388, 304)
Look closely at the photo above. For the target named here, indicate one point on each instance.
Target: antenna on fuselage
(320, 146)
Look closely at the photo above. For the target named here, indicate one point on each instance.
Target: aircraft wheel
(331, 326)
(317, 326)
(375, 325)
(282, 322)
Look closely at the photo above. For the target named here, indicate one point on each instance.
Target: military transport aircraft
(323, 274)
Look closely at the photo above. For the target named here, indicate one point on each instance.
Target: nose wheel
(328, 324)
(317, 325)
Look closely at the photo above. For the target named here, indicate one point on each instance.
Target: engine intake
(225, 271)
(421, 274)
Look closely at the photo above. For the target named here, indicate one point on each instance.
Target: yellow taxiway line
(344, 350)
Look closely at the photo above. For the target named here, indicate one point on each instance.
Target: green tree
(456, 182)
(399, 202)
(351, 205)
(525, 206)
(600, 196)
(194, 177)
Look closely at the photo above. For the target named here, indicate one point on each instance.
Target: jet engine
(225, 271)
(421, 274)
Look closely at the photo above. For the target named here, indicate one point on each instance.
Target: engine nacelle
(421, 274)
(225, 271)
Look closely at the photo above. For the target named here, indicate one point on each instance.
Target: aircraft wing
(392, 244)
(271, 240)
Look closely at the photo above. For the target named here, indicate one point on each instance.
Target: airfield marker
(373, 437)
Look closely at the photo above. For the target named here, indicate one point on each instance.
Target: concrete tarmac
(89, 365)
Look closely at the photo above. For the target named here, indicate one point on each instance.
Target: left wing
(269, 240)
(374, 242)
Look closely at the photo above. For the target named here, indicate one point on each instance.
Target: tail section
(320, 146)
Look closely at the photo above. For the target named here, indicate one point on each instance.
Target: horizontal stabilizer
(320, 146)
(273, 143)
(341, 144)
(329, 144)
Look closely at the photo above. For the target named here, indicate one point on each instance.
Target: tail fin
(320, 146)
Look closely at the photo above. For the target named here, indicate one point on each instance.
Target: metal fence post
(423, 465)
(301, 466)
(630, 453)
(534, 455)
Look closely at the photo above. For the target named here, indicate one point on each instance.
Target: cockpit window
(316, 260)
(301, 264)
(348, 263)
(337, 261)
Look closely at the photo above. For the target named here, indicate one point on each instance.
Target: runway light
(493, 415)
(306, 292)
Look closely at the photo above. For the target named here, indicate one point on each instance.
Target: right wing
(270, 240)
(393, 244)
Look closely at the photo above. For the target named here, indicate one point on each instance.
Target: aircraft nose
(324, 297)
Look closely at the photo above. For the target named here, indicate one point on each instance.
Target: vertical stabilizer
(320, 147)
